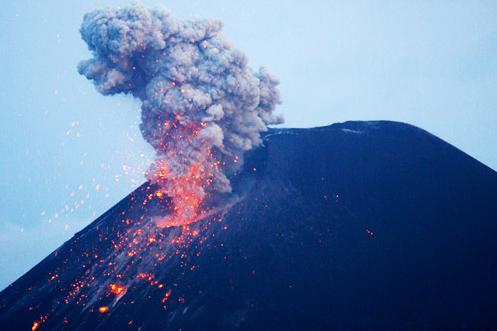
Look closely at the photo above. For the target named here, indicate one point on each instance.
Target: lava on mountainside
(202, 105)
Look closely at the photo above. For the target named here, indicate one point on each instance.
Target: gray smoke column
(202, 106)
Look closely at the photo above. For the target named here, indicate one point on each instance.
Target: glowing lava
(188, 183)
(117, 290)
(202, 105)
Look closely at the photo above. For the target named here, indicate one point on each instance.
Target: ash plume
(202, 106)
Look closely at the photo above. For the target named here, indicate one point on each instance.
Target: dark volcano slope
(355, 226)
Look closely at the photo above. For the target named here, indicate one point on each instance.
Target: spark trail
(202, 105)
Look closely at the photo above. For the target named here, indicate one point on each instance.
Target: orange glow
(101, 309)
(35, 326)
(116, 289)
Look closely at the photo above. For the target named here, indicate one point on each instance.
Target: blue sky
(69, 153)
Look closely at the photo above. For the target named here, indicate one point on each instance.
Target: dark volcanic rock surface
(354, 226)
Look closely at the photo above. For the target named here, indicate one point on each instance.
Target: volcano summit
(202, 105)
(354, 226)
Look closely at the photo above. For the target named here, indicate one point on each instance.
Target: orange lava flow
(116, 289)
(186, 170)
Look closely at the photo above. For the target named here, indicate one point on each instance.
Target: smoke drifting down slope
(202, 106)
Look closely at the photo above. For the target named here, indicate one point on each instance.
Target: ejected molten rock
(202, 106)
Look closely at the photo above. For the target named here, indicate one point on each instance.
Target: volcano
(353, 226)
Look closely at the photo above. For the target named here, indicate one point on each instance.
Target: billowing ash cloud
(202, 105)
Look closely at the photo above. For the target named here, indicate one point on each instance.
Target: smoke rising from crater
(202, 106)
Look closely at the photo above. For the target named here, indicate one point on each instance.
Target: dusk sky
(69, 153)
